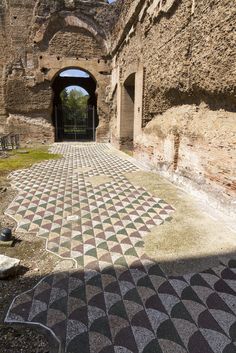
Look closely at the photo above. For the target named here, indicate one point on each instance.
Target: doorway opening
(127, 113)
(74, 106)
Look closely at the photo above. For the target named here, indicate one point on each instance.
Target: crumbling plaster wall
(41, 39)
(189, 58)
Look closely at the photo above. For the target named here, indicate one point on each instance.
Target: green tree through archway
(74, 113)
(75, 110)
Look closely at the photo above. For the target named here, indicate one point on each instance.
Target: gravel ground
(36, 263)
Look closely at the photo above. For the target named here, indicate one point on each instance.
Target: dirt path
(36, 263)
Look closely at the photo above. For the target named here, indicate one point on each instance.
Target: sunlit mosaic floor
(118, 300)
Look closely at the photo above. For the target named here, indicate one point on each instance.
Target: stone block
(8, 266)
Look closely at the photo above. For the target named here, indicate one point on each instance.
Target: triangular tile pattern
(118, 300)
(56, 201)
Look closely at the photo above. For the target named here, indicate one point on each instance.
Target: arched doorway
(74, 106)
(127, 112)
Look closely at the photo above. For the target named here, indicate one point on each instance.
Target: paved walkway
(117, 300)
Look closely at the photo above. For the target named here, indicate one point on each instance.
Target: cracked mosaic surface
(118, 300)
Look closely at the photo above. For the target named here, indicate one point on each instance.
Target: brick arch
(82, 65)
(64, 20)
(130, 105)
(127, 111)
(58, 84)
(131, 71)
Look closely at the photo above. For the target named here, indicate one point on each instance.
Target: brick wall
(189, 59)
(65, 35)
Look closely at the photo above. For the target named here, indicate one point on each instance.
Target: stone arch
(66, 20)
(67, 64)
(127, 111)
(130, 105)
(89, 84)
(55, 72)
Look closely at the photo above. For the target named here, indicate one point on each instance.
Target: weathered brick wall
(189, 57)
(194, 146)
(31, 129)
(75, 43)
(3, 58)
(59, 34)
(23, 98)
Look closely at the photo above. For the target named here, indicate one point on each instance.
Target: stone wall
(195, 147)
(31, 129)
(187, 50)
(3, 58)
(38, 39)
(75, 43)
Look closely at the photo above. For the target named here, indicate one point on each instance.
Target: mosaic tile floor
(117, 300)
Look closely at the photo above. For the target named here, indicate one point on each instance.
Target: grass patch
(128, 152)
(19, 160)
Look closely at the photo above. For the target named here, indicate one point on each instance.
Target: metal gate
(78, 129)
